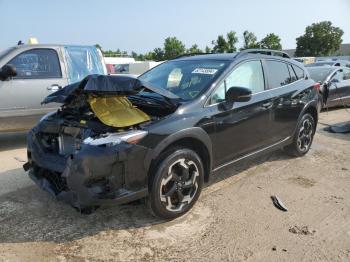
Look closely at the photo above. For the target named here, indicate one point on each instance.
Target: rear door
(243, 127)
(284, 82)
(336, 85)
(39, 73)
(343, 89)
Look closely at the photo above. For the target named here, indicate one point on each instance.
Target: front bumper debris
(91, 176)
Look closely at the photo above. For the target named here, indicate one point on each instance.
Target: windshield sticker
(205, 71)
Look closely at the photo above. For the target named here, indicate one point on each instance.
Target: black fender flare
(312, 104)
(192, 132)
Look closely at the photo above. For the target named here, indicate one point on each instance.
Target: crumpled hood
(105, 85)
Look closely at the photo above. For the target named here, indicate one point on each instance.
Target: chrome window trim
(267, 90)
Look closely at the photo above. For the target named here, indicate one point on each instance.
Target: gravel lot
(234, 219)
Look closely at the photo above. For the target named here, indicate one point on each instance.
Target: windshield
(320, 74)
(186, 78)
(321, 64)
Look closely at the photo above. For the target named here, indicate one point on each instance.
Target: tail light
(317, 86)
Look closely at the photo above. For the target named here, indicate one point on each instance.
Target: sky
(141, 26)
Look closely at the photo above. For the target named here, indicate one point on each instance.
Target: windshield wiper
(159, 90)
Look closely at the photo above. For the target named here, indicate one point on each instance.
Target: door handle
(54, 87)
(267, 104)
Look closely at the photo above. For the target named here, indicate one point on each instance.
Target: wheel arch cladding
(310, 108)
(195, 139)
(312, 111)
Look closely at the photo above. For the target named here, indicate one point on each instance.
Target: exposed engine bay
(103, 105)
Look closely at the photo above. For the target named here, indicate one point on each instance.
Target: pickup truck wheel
(303, 136)
(177, 184)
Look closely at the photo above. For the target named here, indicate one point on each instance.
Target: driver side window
(249, 75)
(339, 75)
(40, 63)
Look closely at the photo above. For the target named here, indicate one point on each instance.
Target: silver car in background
(28, 73)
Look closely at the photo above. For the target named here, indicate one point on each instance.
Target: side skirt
(272, 147)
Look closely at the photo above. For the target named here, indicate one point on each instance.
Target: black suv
(160, 136)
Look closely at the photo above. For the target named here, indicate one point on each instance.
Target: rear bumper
(91, 176)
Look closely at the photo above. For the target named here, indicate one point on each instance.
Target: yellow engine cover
(116, 111)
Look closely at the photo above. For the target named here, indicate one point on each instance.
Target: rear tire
(176, 184)
(303, 136)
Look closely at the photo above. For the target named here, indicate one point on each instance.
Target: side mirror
(334, 80)
(238, 94)
(7, 71)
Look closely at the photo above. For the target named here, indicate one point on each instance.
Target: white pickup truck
(28, 73)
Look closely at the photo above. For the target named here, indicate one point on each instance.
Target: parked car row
(341, 63)
(335, 84)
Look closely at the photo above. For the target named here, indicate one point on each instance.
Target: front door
(244, 127)
(39, 74)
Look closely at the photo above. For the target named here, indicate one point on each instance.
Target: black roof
(223, 56)
(232, 56)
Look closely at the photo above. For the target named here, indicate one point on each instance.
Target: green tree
(220, 45)
(173, 48)
(208, 49)
(148, 56)
(158, 54)
(225, 45)
(232, 40)
(250, 40)
(99, 47)
(137, 57)
(194, 49)
(271, 41)
(320, 39)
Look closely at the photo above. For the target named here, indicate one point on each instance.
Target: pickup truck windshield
(185, 78)
(5, 52)
(82, 61)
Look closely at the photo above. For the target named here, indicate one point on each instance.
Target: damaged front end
(88, 153)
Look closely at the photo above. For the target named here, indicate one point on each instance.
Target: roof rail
(190, 54)
(264, 52)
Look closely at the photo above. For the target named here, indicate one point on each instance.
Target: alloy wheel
(180, 186)
(305, 135)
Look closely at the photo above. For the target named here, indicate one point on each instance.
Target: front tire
(303, 136)
(177, 184)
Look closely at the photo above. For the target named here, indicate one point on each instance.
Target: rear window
(319, 74)
(299, 72)
(278, 74)
(293, 76)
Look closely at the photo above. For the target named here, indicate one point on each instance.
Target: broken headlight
(44, 117)
(112, 139)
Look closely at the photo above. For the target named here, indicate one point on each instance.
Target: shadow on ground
(324, 130)
(30, 214)
(12, 140)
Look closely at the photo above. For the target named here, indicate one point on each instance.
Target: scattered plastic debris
(304, 230)
(19, 159)
(342, 128)
(278, 203)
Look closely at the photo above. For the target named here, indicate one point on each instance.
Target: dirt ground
(234, 219)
